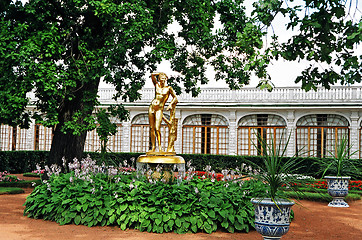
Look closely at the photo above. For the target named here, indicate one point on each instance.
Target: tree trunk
(68, 145)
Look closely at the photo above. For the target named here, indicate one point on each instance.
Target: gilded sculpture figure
(155, 112)
(172, 128)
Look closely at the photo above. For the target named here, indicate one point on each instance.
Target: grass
(10, 190)
(322, 190)
(320, 197)
(30, 174)
(20, 184)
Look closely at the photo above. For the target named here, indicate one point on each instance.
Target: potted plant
(272, 210)
(340, 167)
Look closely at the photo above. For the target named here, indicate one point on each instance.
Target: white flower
(64, 161)
(207, 168)
(196, 190)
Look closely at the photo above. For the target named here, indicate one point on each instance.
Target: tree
(326, 34)
(60, 50)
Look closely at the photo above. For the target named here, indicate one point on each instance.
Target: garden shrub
(155, 206)
(22, 161)
(26, 161)
(10, 190)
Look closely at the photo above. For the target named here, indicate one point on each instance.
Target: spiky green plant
(341, 163)
(277, 171)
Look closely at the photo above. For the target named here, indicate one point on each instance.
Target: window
(114, 142)
(317, 135)
(42, 138)
(93, 142)
(206, 134)
(13, 138)
(254, 128)
(140, 134)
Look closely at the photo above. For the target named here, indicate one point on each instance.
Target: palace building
(228, 122)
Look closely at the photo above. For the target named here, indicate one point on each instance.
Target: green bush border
(21, 184)
(11, 190)
(26, 161)
(30, 174)
(321, 197)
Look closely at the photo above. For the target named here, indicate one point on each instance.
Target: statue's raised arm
(154, 78)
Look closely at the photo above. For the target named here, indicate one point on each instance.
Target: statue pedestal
(168, 161)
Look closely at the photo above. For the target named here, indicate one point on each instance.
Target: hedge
(26, 161)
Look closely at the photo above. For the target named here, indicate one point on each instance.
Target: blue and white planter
(272, 221)
(338, 189)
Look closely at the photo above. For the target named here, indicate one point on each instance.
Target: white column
(126, 137)
(291, 132)
(178, 142)
(30, 136)
(232, 133)
(354, 141)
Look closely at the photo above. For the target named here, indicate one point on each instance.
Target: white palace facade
(223, 121)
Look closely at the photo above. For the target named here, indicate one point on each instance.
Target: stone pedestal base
(168, 162)
(161, 159)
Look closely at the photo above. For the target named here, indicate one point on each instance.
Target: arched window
(206, 134)
(12, 138)
(140, 133)
(317, 135)
(93, 142)
(253, 129)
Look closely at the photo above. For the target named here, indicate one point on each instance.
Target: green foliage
(26, 161)
(194, 206)
(58, 51)
(322, 197)
(22, 161)
(274, 171)
(21, 184)
(31, 174)
(10, 190)
(341, 163)
(326, 33)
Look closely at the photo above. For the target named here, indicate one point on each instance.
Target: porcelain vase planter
(272, 221)
(337, 189)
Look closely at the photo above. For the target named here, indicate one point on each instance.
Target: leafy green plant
(341, 164)
(90, 195)
(275, 171)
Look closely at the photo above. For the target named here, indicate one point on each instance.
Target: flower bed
(5, 177)
(353, 185)
(93, 195)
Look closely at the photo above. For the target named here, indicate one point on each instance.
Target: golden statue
(155, 111)
(155, 115)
